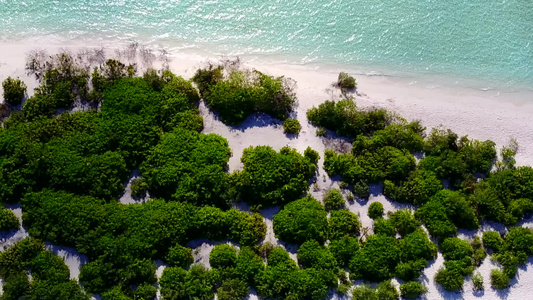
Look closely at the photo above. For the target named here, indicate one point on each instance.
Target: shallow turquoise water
(476, 39)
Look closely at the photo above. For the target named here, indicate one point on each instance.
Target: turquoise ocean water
(484, 40)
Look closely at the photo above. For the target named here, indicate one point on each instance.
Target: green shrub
(321, 131)
(139, 187)
(312, 155)
(383, 291)
(412, 289)
(376, 260)
(292, 126)
(498, 279)
(384, 226)
(233, 289)
(343, 249)
(343, 223)
(361, 189)
(223, 256)
(301, 220)
(477, 281)
(418, 189)
(193, 284)
(8, 220)
(450, 279)
(14, 91)
(364, 292)
(145, 292)
(375, 210)
(313, 255)
(404, 221)
(346, 81)
(179, 256)
(334, 200)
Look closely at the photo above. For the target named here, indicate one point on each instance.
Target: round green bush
(412, 289)
(145, 292)
(321, 131)
(498, 279)
(346, 81)
(139, 187)
(292, 126)
(233, 289)
(223, 256)
(312, 155)
(334, 200)
(14, 91)
(361, 189)
(8, 220)
(343, 223)
(301, 220)
(179, 256)
(375, 210)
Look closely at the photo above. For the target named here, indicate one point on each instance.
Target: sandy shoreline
(491, 114)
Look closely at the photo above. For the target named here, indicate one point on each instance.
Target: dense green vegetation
(292, 126)
(69, 168)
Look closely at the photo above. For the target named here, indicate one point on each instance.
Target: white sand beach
(495, 115)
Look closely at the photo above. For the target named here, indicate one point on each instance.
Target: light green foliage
(292, 126)
(14, 91)
(334, 200)
(375, 210)
(321, 131)
(145, 292)
(404, 221)
(479, 251)
(270, 178)
(345, 119)
(493, 240)
(179, 256)
(417, 189)
(477, 281)
(402, 135)
(223, 256)
(384, 226)
(139, 187)
(115, 294)
(346, 81)
(412, 290)
(312, 155)
(176, 283)
(313, 255)
(301, 220)
(187, 166)
(459, 263)
(243, 92)
(384, 291)
(343, 223)
(8, 220)
(248, 265)
(498, 279)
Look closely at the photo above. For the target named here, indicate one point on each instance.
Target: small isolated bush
(292, 126)
(179, 256)
(334, 200)
(14, 91)
(477, 280)
(346, 81)
(321, 131)
(8, 220)
(498, 279)
(223, 256)
(375, 210)
(361, 189)
(139, 187)
(312, 155)
(343, 288)
(412, 289)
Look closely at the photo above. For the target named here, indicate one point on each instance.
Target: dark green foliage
(233, 289)
(459, 263)
(145, 292)
(384, 226)
(411, 269)
(376, 260)
(301, 220)
(139, 187)
(312, 155)
(404, 221)
(343, 223)
(479, 251)
(248, 265)
(375, 210)
(445, 212)
(243, 92)
(412, 289)
(364, 292)
(417, 189)
(343, 249)
(187, 166)
(292, 126)
(176, 283)
(223, 256)
(416, 245)
(179, 256)
(346, 119)
(456, 249)
(346, 81)
(361, 189)
(334, 200)
(313, 255)
(370, 166)
(492, 240)
(498, 279)
(270, 178)
(321, 131)
(50, 274)
(14, 91)
(115, 294)
(8, 220)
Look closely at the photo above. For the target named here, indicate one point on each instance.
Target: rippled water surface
(483, 39)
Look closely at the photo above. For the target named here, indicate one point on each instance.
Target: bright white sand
(482, 115)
